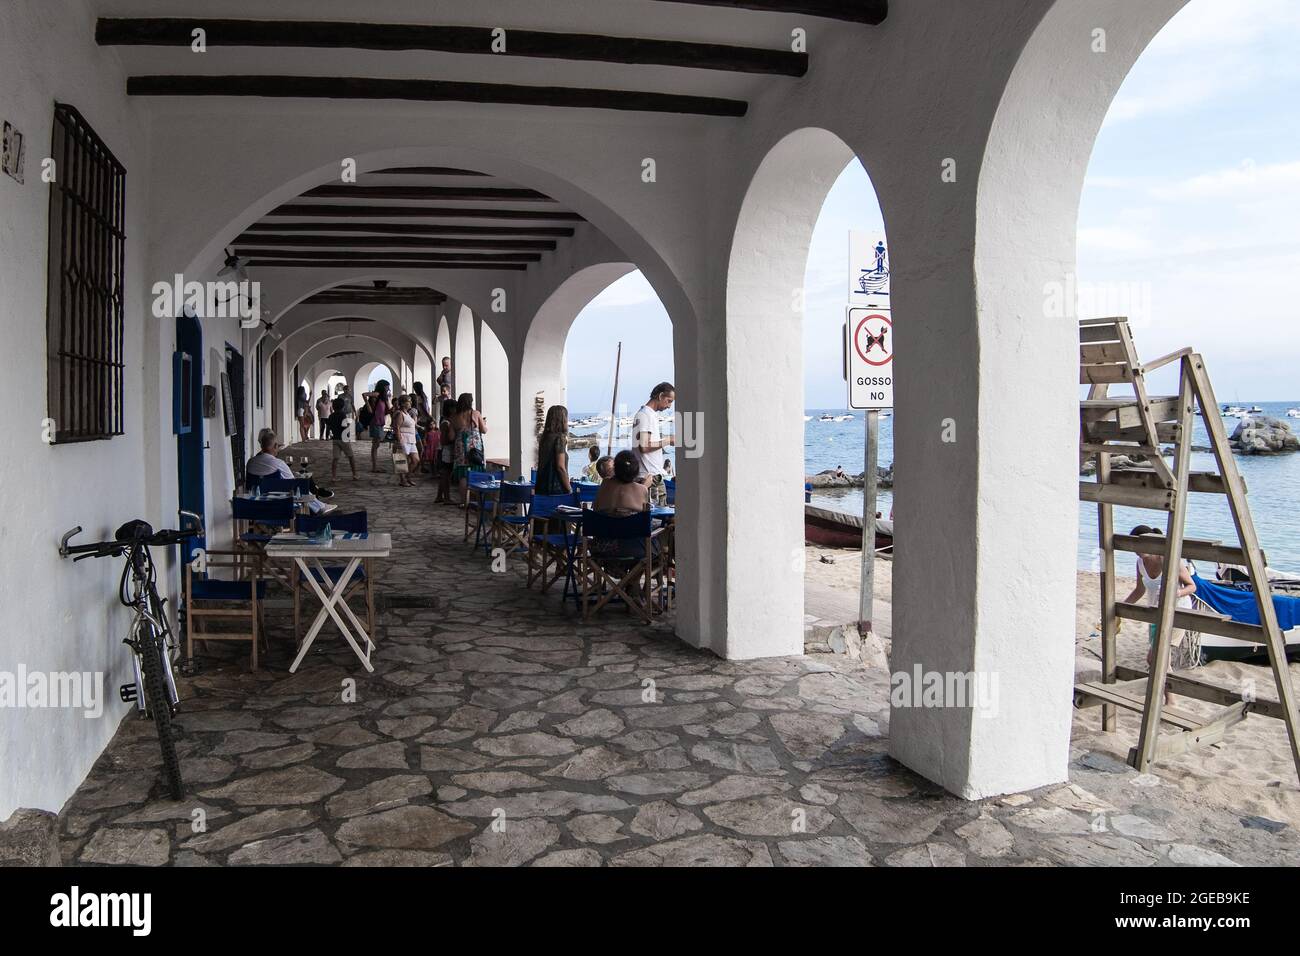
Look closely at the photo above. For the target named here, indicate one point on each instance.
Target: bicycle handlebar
(101, 549)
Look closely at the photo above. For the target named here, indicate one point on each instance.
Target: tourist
(553, 454)
(323, 410)
(336, 431)
(624, 494)
(604, 468)
(469, 426)
(650, 441)
(379, 403)
(444, 394)
(420, 401)
(407, 443)
(590, 472)
(266, 463)
(1150, 570)
(446, 452)
(305, 420)
(445, 379)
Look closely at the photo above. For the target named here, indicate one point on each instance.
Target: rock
(513, 845)
(1103, 762)
(888, 821)
(1263, 823)
(1129, 825)
(544, 803)
(1098, 850)
(583, 857)
(1074, 797)
(662, 821)
(267, 759)
(389, 756)
(406, 726)
(403, 828)
(403, 858)
(1185, 854)
(30, 838)
(497, 781)
(1051, 820)
(290, 786)
(242, 741)
(807, 735)
(987, 837)
(1263, 435)
(594, 763)
(122, 846)
(381, 795)
(739, 758)
(735, 788)
(594, 723)
(668, 781)
(700, 850)
(596, 828)
(927, 854)
(825, 851)
(769, 816)
(534, 744)
(293, 849)
(243, 831)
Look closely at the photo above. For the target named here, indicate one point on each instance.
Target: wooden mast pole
(613, 405)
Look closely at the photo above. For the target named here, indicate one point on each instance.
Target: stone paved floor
(498, 729)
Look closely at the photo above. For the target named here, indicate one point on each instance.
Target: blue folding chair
(548, 547)
(202, 591)
(510, 529)
(618, 560)
(271, 484)
(256, 522)
(670, 486)
(586, 492)
(356, 522)
(534, 479)
(479, 501)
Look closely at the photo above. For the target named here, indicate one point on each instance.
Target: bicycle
(152, 643)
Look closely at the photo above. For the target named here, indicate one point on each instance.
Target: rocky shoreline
(828, 479)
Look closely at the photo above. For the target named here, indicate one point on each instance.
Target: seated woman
(622, 494)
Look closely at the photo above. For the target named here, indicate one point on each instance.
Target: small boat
(1256, 410)
(1293, 413)
(844, 418)
(835, 529)
(827, 418)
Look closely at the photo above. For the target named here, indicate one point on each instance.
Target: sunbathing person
(1150, 571)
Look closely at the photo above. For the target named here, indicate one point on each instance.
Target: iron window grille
(85, 300)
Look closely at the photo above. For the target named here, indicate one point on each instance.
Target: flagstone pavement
(498, 729)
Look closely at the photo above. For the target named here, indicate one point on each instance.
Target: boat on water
(826, 418)
(1293, 413)
(1234, 411)
(1256, 410)
(844, 418)
(835, 529)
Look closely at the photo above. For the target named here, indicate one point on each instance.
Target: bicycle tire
(155, 688)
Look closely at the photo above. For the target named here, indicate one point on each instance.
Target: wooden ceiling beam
(412, 229)
(423, 212)
(385, 88)
(419, 242)
(382, 264)
(490, 193)
(326, 254)
(872, 12)
(317, 34)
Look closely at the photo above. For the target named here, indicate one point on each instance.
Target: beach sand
(1250, 773)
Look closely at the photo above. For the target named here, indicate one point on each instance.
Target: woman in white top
(404, 430)
(1150, 570)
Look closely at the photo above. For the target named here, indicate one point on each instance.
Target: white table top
(376, 544)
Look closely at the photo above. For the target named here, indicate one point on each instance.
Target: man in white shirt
(650, 442)
(266, 463)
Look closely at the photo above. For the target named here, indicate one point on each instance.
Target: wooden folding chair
(256, 522)
(207, 598)
(509, 529)
(618, 560)
(550, 545)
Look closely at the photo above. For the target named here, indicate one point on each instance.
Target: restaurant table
(354, 547)
(485, 488)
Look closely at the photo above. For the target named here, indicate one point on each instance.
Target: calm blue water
(1273, 483)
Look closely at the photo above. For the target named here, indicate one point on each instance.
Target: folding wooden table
(353, 547)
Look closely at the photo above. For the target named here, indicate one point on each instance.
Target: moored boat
(835, 529)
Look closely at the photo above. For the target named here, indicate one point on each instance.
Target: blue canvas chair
(586, 493)
(550, 544)
(670, 486)
(256, 523)
(276, 483)
(618, 560)
(356, 522)
(510, 527)
(207, 599)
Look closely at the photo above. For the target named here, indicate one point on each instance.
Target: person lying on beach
(1150, 571)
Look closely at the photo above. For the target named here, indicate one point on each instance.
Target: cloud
(1244, 183)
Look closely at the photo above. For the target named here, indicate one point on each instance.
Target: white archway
(463, 363)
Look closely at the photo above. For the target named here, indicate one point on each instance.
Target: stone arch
(363, 375)
(542, 363)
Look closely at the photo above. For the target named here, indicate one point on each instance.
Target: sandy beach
(1250, 773)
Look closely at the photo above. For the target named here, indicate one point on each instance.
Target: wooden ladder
(1138, 425)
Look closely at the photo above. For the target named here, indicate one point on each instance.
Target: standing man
(445, 379)
(323, 409)
(650, 442)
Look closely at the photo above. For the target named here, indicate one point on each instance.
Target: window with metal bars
(84, 306)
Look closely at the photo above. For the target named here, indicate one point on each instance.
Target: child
(404, 433)
(342, 443)
(590, 473)
(1150, 569)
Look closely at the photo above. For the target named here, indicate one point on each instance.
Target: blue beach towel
(1239, 603)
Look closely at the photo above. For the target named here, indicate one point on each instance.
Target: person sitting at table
(553, 454)
(623, 494)
(593, 460)
(265, 463)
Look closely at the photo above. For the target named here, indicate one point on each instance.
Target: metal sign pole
(867, 593)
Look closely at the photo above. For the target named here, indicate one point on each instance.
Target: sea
(1272, 483)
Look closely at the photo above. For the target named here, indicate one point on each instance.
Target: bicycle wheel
(155, 690)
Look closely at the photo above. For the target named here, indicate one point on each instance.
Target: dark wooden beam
(491, 193)
(413, 229)
(382, 264)
(395, 242)
(425, 171)
(384, 88)
(350, 319)
(424, 212)
(362, 299)
(326, 254)
(175, 31)
(872, 12)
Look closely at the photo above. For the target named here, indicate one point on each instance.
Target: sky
(1189, 223)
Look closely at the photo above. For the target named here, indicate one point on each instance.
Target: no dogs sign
(870, 348)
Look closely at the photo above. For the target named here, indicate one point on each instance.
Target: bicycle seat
(133, 531)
